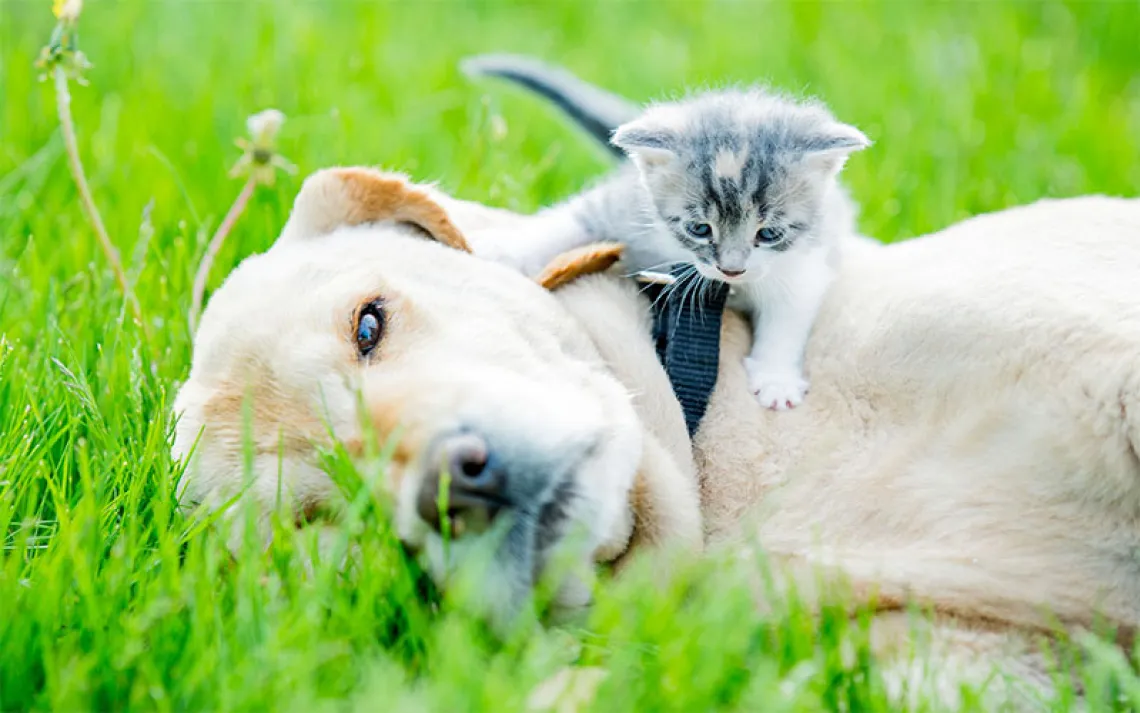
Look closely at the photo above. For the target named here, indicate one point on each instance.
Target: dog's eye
(369, 327)
(701, 231)
(767, 236)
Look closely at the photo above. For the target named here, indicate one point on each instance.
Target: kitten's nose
(731, 273)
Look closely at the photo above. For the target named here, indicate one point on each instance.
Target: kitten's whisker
(652, 268)
(694, 289)
(702, 289)
(679, 284)
(706, 288)
(667, 291)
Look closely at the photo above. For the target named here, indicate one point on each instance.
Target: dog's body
(971, 441)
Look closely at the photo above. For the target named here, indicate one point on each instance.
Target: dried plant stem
(67, 126)
(215, 245)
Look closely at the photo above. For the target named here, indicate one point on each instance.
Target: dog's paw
(779, 390)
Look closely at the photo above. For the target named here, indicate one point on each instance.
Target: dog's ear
(664, 515)
(586, 260)
(335, 197)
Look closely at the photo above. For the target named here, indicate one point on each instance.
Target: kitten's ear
(828, 151)
(648, 144)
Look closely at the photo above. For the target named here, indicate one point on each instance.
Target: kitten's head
(741, 177)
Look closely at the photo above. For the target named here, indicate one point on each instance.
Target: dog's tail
(596, 110)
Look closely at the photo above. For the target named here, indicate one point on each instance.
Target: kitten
(740, 184)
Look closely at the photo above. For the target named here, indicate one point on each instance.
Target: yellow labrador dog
(971, 440)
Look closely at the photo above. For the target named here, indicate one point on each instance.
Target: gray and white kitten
(740, 184)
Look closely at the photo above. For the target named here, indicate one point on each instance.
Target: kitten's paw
(777, 390)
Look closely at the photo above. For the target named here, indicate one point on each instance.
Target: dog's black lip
(410, 551)
(456, 502)
(548, 527)
(554, 513)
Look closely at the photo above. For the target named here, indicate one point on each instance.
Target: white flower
(67, 10)
(259, 152)
(264, 125)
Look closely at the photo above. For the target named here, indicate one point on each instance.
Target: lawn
(111, 600)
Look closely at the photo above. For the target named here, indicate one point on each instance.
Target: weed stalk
(62, 61)
(260, 161)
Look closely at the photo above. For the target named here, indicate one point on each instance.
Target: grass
(111, 600)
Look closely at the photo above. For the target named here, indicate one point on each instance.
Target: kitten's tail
(596, 110)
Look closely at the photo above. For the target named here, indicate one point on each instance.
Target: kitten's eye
(369, 327)
(767, 236)
(699, 230)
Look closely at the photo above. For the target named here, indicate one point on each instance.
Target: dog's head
(370, 313)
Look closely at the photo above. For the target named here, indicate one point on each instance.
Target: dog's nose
(476, 485)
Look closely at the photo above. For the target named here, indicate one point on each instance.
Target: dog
(970, 445)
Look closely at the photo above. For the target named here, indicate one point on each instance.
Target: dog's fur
(971, 442)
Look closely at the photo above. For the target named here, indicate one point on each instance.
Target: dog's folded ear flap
(335, 197)
(586, 260)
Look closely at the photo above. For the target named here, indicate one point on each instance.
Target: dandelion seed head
(264, 125)
(67, 10)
